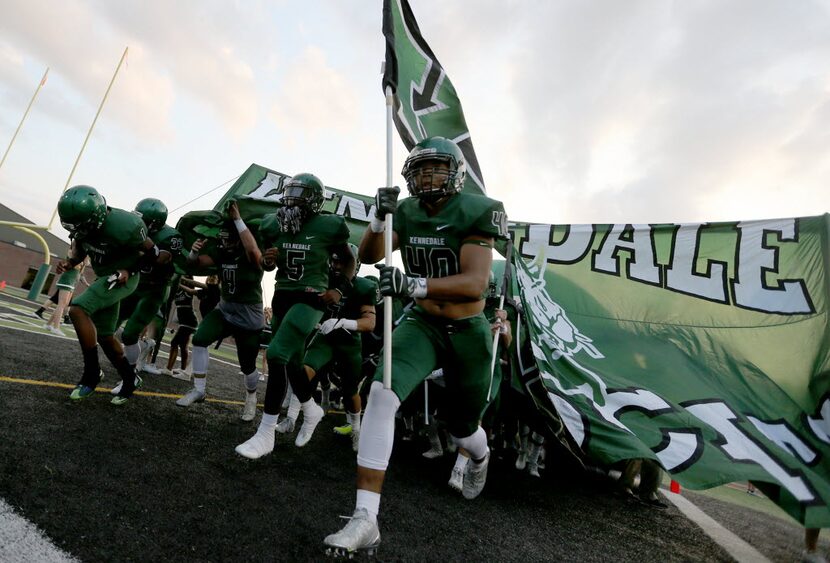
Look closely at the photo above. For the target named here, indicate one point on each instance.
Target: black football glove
(386, 201)
(395, 283)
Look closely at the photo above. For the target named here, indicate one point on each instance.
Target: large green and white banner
(703, 346)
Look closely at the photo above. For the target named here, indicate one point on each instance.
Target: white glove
(333, 324)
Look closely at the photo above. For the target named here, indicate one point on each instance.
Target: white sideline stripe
(20, 540)
(72, 337)
(735, 546)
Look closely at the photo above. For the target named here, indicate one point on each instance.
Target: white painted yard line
(20, 540)
(735, 546)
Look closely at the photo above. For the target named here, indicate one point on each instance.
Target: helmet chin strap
(290, 219)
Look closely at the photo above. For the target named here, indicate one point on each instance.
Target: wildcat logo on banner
(704, 347)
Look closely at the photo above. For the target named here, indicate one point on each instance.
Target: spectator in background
(209, 296)
(65, 289)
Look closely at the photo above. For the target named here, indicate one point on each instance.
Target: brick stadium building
(21, 254)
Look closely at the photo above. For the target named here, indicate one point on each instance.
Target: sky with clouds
(581, 111)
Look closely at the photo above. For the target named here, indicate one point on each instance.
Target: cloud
(315, 99)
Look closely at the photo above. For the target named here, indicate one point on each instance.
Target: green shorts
(102, 304)
(325, 349)
(215, 327)
(422, 343)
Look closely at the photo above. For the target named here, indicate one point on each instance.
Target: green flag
(705, 347)
(426, 104)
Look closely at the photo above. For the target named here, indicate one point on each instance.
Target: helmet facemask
(228, 238)
(302, 197)
(434, 170)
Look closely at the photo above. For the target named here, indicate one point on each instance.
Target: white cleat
(285, 426)
(192, 396)
(151, 369)
(249, 410)
(360, 534)
(179, 373)
(117, 389)
(310, 422)
(258, 445)
(434, 452)
(456, 481)
(475, 478)
(54, 330)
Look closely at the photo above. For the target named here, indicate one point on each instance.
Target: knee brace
(377, 430)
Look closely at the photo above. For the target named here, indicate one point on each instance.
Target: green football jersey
(431, 246)
(241, 281)
(303, 261)
(167, 238)
(117, 244)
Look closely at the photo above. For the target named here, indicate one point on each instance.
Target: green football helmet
(306, 191)
(82, 210)
(153, 212)
(419, 169)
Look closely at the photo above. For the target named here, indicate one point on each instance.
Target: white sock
(308, 406)
(293, 408)
(251, 380)
(131, 352)
(200, 382)
(370, 501)
(354, 420)
(268, 423)
(199, 359)
(475, 443)
(461, 462)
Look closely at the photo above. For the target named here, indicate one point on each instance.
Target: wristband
(193, 256)
(418, 288)
(348, 324)
(240, 225)
(377, 225)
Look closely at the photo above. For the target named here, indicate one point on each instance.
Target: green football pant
(102, 304)
(422, 343)
(214, 327)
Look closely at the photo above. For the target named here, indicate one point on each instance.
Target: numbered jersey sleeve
(169, 240)
(431, 245)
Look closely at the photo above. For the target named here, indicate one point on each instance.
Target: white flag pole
(25, 113)
(89, 133)
(387, 244)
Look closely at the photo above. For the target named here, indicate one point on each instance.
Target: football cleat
(119, 400)
(360, 534)
(285, 426)
(82, 391)
(310, 422)
(54, 330)
(258, 445)
(475, 477)
(456, 479)
(151, 369)
(345, 430)
(192, 396)
(249, 410)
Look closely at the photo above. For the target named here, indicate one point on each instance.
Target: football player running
(446, 240)
(115, 241)
(300, 242)
(157, 271)
(239, 313)
(339, 340)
